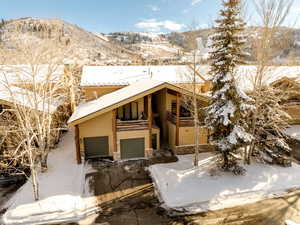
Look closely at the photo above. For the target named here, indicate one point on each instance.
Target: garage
(132, 148)
(96, 147)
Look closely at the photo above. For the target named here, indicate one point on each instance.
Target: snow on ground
(289, 222)
(186, 190)
(293, 131)
(61, 188)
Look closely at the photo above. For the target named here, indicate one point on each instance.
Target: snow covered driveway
(187, 190)
(61, 189)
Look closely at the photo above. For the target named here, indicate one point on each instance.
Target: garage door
(132, 148)
(96, 147)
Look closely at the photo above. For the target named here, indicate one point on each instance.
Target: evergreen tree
(225, 115)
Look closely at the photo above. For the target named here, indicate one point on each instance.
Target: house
(292, 101)
(17, 85)
(134, 121)
(100, 80)
(115, 120)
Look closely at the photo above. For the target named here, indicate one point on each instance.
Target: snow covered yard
(185, 190)
(61, 191)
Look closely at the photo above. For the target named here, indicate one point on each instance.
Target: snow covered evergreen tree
(225, 115)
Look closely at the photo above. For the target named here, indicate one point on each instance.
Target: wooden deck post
(77, 144)
(114, 130)
(177, 118)
(150, 119)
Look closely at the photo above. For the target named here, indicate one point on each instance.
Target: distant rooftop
(25, 73)
(125, 75)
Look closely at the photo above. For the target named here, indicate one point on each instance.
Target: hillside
(175, 47)
(87, 47)
(127, 48)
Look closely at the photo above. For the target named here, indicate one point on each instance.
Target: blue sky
(123, 15)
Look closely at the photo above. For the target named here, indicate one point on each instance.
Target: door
(132, 148)
(96, 147)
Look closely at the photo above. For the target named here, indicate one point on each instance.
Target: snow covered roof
(125, 75)
(24, 97)
(118, 97)
(246, 75)
(25, 73)
(293, 131)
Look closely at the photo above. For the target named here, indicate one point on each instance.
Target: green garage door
(132, 148)
(96, 147)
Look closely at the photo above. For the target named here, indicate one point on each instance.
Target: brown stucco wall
(91, 93)
(98, 126)
(294, 112)
(102, 126)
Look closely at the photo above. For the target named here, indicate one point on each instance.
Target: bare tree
(193, 74)
(31, 79)
(272, 14)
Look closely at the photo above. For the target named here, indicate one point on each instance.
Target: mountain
(87, 47)
(176, 47)
(127, 48)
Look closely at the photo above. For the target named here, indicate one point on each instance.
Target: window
(184, 112)
(134, 110)
(121, 113)
(128, 111)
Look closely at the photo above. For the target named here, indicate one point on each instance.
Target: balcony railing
(183, 121)
(132, 125)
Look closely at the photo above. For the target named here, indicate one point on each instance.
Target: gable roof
(126, 75)
(108, 102)
(25, 98)
(22, 74)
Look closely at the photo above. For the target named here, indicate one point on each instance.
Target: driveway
(126, 195)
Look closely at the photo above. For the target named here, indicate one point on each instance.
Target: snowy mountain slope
(87, 46)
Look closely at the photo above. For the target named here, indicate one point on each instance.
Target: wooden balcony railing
(183, 121)
(132, 125)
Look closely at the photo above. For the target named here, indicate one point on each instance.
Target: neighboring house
(100, 80)
(292, 101)
(16, 85)
(134, 121)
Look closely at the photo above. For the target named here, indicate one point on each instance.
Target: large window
(128, 111)
(184, 112)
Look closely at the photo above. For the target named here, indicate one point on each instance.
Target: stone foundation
(148, 153)
(117, 155)
(190, 149)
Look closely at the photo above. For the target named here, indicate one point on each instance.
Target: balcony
(132, 125)
(183, 121)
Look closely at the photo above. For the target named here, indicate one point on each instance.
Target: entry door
(132, 148)
(96, 147)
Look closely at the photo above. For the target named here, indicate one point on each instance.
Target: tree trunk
(44, 162)
(35, 184)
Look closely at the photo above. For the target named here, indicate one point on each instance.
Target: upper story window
(128, 111)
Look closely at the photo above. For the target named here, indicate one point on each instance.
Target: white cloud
(195, 2)
(155, 25)
(153, 8)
